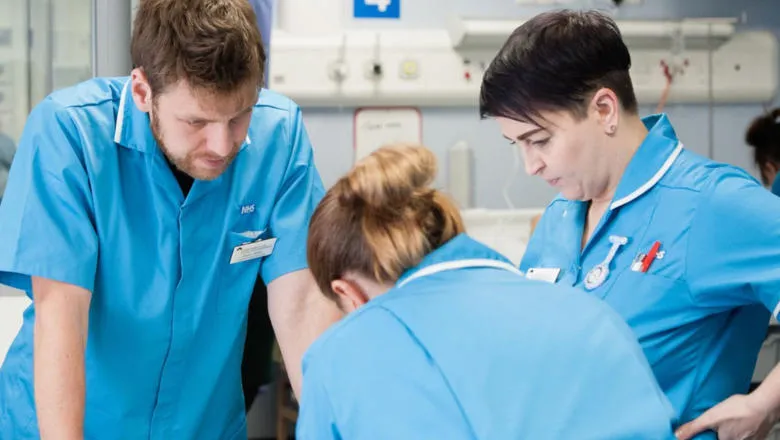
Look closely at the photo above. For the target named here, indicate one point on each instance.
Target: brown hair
(212, 44)
(764, 136)
(381, 219)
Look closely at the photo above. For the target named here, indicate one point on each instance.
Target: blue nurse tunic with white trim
(479, 352)
(700, 308)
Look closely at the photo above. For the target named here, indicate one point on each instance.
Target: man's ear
(350, 295)
(141, 90)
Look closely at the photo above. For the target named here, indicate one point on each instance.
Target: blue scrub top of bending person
(687, 254)
(479, 352)
(92, 201)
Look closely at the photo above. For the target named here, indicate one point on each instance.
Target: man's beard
(187, 164)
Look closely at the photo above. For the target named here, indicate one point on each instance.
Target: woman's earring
(612, 129)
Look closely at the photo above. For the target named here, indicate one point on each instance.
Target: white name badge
(548, 274)
(253, 250)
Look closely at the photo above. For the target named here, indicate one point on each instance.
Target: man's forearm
(59, 378)
(299, 313)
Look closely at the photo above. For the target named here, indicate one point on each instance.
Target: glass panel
(14, 48)
(72, 55)
(62, 45)
(44, 45)
(14, 105)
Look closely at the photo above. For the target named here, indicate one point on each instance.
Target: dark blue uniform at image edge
(776, 185)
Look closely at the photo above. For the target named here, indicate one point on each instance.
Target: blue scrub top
(91, 201)
(701, 308)
(479, 352)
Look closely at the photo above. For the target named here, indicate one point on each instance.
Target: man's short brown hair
(214, 45)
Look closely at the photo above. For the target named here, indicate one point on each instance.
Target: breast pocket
(651, 303)
(240, 264)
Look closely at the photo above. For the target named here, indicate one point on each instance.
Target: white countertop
(12, 304)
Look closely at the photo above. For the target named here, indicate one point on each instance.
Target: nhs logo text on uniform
(248, 209)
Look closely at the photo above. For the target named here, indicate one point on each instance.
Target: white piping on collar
(650, 183)
(120, 115)
(459, 264)
(120, 118)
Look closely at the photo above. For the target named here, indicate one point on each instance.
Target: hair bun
(407, 172)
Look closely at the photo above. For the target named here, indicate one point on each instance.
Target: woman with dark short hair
(686, 250)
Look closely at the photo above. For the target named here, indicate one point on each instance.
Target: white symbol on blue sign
(377, 8)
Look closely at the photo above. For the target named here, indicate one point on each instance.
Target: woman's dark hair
(556, 61)
(764, 136)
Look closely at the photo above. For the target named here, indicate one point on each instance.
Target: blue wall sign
(378, 9)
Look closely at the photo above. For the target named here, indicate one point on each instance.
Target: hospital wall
(716, 131)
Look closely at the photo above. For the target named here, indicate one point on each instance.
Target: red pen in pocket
(648, 260)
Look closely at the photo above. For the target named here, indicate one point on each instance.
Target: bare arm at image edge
(61, 322)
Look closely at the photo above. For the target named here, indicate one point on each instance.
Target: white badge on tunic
(253, 250)
(600, 272)
(547, 274)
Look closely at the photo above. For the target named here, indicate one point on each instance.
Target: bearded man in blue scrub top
(138, 214)
(685, 249)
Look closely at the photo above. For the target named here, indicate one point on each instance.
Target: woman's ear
(350, 295)
(606, 105)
